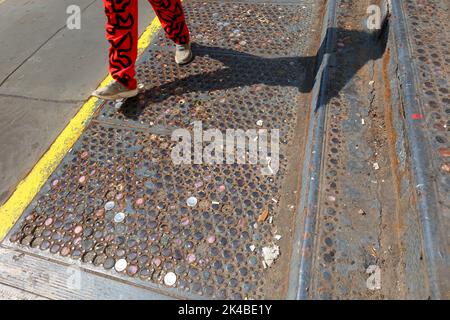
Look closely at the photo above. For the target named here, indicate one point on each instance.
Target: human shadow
(239, 69)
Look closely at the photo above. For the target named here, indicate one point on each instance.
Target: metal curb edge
(426, 198)
(303, 241)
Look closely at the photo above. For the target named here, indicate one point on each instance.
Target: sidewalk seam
(38, 48)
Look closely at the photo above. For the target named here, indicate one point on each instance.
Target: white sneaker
(115, 91)
(183, 54)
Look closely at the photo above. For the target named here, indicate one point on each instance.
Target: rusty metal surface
(117, 202)
(422, 71)
(357, 232)
(264, 28)
(223, 91)
(115, 170)
(431, 52)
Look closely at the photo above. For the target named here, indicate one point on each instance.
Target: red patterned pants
(122, 33)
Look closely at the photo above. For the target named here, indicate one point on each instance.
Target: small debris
(270, 219)
(100, 213)
(120, 265)
(376, 166)
(119, 217)
(278, 237)
(264, 215)
(109, 205)
(84, 154)
(211, 239)
(185, 221)
(170, 279)
(260, 123)
(198, 184)
(48, 222)
(252, 248)
(270, 254)
(362, 212)
(373, 252)
(191, 258)
(192, 201)
(371, 83)
(156, 262)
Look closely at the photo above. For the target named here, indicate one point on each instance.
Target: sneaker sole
(122, 95)
(188, 60)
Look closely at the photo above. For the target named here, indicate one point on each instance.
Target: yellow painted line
(27, 189)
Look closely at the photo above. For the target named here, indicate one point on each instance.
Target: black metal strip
(304, 238)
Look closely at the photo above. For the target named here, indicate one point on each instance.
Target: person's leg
(171, 16)
(122, 34)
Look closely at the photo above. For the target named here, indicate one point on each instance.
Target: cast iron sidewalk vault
(375, 202)
(117, 205)
(119, 214)
(421, 70)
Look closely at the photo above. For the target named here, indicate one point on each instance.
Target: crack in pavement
(39, 47)
(65, 101)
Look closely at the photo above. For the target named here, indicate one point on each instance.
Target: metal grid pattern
(222, 91)
(356, 184)
(431, 54)
(119, 196)
(117, 201)
(265, 29)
